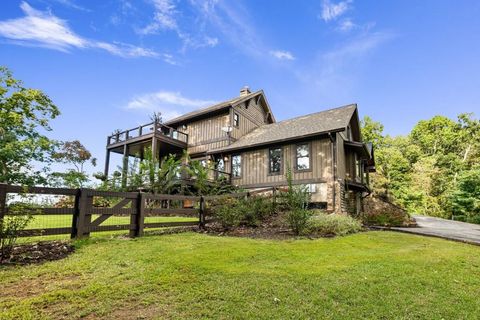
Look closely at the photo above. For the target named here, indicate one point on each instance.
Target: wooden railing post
(201, 213)
(3, 200)
(84, 215)
(138, 217)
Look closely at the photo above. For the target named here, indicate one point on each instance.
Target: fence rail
(133, 211)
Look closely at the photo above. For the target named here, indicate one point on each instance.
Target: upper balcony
(145, 132)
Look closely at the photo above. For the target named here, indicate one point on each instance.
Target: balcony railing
(146, 129)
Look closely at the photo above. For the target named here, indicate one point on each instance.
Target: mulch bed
(39, 252)
(272, 228)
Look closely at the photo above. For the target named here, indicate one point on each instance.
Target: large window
(236, 120)
(303, 156)
(236, 166)
(275, 160)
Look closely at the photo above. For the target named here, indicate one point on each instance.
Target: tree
(74, 153)
(466, 199)
(24, 114)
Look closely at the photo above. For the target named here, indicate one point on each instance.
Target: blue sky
(109, 64)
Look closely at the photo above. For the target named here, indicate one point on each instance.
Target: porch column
(107, 163)
(125, 165)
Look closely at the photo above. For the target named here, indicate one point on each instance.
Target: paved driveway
(453, 230)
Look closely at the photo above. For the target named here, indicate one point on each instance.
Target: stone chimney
(245, 91)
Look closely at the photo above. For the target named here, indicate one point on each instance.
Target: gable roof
(301, 127)
(218, 107)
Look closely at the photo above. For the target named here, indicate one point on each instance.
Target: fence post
(84, 217)
(76, 215)
(201, 213)
(137, 219)
(3, 200)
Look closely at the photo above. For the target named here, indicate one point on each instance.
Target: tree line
(433, 170)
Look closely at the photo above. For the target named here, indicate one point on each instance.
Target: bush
(298, 220)
(328, 225)
(254, 210)
(231, 212)
(228, 213)
(18, 217)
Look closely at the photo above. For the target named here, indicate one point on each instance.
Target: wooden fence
(135, 209)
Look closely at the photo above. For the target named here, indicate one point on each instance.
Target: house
(241, 136)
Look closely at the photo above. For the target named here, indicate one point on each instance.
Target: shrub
(295, 197)
(19, 215)
(298, 220)
(232, 212)
(254, 210)
(332, 224)
(228, 213)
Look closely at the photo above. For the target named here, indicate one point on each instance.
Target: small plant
(19, 215)
(298, 220)
(327, 225)
(296, 197)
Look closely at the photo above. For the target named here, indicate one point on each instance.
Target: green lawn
(59, 221)
(381, 275)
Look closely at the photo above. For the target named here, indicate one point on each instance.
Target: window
(236, 166)
(236, 120)
(275, 160)
(220, 166)
(303, 156)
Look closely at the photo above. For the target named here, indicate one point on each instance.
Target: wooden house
(324, 150)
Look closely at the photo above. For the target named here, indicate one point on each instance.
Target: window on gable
(237, 166)
(275, 160)
(236, 120)
(303, 156)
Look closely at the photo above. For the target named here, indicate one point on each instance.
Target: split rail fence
(98, 211)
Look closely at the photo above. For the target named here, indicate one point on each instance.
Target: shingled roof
(292, 129)
(214, 108)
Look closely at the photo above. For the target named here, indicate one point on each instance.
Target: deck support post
(125, 165)
(107, 164)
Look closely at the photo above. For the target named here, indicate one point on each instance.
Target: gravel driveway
(447, 229)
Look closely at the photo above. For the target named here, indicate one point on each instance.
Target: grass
(59, 221)
(379, 275)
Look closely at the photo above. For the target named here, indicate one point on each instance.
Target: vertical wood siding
(255, 165)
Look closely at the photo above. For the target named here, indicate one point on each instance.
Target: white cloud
(164, 18)
(346, 25)
(171, 104)
(71, 4)
(167, 18)
(331, 11)
(43, 29)
(234, 22)
(282, 55)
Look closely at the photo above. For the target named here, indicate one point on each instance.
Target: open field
(367, 275)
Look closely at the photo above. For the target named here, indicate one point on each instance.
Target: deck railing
(149, 128)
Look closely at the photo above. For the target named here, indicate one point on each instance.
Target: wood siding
(251, 116)
(255, 165)
(207, 134)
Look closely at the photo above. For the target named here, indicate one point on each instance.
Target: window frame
(309, 146)
(236, 120)
(276, 173)
(241, 166)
